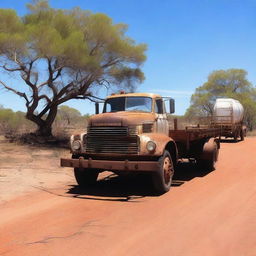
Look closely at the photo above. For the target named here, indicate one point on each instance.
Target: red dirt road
(203, 214)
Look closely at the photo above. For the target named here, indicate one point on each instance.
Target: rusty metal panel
(111, 165)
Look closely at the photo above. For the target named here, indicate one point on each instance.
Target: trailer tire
(85, 177)
(162, 178)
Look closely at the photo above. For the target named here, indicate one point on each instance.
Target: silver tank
(227, 111)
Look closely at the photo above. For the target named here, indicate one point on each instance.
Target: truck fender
(163, 142)
(210, 150)
(172, 148)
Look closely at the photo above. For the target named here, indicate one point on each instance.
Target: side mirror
(97, 108)
(172, 105)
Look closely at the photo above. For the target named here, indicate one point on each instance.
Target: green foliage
(68, 115)
(9, 22)
(231, 83)
(128, 75)
(13, 122)
(77, 37)
(68, 121)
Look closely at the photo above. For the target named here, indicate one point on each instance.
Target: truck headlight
(76, 145)
(151, 146)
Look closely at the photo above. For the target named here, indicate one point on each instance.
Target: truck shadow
(115, 188)
(187, 171)
(132, 188)
(229, 141)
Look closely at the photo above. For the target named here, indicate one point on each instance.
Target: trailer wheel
(209, 156)
(85, 177)
(162, 178)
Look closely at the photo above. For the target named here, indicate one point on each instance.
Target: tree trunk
(44, 126)
(44, 131)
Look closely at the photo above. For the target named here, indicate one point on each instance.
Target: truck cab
(130, 135)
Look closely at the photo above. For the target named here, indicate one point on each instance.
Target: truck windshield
(133, 104)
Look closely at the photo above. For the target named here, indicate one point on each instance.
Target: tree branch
(58, 70)
(110, 63)
(51, 79)
(11, 69)
(93, 50)
(96, 99)
(21, 94)
(45, 97)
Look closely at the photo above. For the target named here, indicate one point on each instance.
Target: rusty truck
(133, 135)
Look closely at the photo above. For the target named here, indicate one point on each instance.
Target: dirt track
(203, 214)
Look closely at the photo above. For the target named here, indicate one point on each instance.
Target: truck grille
(117, 140)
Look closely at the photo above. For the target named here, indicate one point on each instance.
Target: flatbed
(191, 141)
(192, 133)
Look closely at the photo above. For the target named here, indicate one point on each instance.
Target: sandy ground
(24, 169)
(43, 212)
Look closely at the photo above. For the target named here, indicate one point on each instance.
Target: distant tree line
(15, 123)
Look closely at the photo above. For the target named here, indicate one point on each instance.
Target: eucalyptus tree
(57, 55)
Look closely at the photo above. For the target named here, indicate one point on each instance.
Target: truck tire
(162, 178)
(242, 134)
(209, 156)
(244, 130)
(85, 177)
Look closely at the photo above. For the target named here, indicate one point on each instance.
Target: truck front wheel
(162, 178)
(85, 177)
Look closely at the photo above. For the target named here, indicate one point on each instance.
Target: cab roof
(151, 95)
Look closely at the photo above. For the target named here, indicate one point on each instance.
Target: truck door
(161, 121)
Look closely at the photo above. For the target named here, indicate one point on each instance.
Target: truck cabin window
(159, 106)
(133, 104)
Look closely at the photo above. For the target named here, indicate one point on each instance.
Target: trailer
(228, 115)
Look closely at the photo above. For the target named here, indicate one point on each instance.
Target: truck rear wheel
(162, 178)
(209, 156)
(242, 134)
(85, 177)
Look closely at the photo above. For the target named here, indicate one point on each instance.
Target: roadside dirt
(25, 168)
(43, 212)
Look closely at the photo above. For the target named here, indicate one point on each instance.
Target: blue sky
(186, 41)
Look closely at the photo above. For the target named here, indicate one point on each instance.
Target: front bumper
(107, 165)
